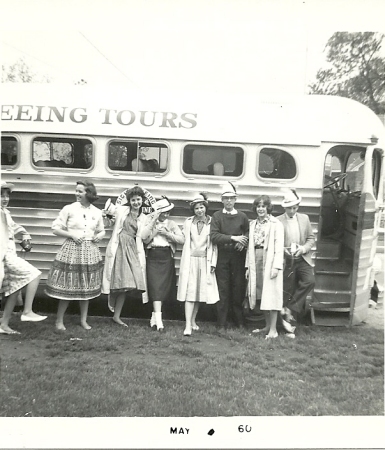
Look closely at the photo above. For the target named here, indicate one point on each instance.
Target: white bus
(329, 148)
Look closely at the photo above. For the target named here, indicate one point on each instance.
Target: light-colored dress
(260, 262)
(76, 273)
(126, 272)
(196, 281)
(120, 215)
(17, 271)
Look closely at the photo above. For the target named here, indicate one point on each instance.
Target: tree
(20, 72)
(356, 69)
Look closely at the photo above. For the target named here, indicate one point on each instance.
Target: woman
(18, 273)
(197, 282)
(125, 263)
(264, 264)
(77, 269)
(161, 236)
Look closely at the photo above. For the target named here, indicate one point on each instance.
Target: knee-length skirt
(76, 273)
(17, 273)
(161, 276)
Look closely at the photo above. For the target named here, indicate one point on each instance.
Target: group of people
(225, 258)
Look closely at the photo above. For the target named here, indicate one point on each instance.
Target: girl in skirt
(77, 270)
(197, 282)
(18, 273)
(161, 236)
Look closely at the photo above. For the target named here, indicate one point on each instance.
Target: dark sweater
(223, 226)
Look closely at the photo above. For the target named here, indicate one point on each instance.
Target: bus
(330, 149)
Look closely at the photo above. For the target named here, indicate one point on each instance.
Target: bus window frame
(5, 167)
(213, 144)
(63, 169)
(280, 180)
(138, 172)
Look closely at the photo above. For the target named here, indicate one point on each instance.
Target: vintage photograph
(192, 224)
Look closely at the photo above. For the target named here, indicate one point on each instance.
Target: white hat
(199, 198)
(5, 185)
(163, 205)
(229, 190)
(291, 199)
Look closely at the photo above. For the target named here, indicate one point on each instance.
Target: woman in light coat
(125, 262)
(197, 281)
(264, 264)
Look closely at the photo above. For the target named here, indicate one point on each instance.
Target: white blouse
(82, 221)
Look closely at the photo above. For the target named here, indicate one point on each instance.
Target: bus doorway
(347, 235)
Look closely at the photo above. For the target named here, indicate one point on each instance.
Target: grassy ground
(114, 371)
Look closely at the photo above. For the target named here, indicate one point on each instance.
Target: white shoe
(34, 318)
(290, 335)
(286, 325)
(187, 332)
(372, 303)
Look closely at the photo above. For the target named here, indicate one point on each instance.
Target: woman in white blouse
(77, 269)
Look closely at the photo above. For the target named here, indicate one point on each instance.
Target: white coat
(211, 261)
(272, 292)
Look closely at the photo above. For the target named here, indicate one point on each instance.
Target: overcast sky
(255, 46)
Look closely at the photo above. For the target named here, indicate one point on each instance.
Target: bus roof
(110, 111)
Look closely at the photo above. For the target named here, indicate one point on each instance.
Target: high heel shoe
(187, 332)
(195, 328)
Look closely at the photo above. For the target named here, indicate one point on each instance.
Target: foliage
(356, 69)
(112, 371)
(20, 72)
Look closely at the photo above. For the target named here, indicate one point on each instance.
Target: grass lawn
(114, 371)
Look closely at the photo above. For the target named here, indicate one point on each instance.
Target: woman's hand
(212, 269)
(247, 273)
(96, 239)
(77, 240)
(273, 273)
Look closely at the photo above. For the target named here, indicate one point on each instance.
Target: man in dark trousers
(298, 275)
(229, 231)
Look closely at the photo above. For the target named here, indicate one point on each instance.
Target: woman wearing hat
(161, 235)
(18, 273)
(197, 282)
(76, 273)
(264, 264)
(125, 263)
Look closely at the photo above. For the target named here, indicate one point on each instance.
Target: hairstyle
(204, 202)
(265, 199)
(134, 192)
(91, 194)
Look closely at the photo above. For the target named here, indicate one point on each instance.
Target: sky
(236, 46)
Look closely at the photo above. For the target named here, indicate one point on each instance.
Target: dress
(196, 281)
(77, 269)
(17, 271)
(126, 272)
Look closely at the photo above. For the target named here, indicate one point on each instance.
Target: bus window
(355, 171)
(213, 160)
(9, 151)
(276, 163)
(135, 156)
(67, 153)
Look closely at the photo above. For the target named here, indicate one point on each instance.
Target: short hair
(135, 191)
(204, 202)
(265, 199)
(91, 194)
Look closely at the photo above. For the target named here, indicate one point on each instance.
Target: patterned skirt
(76, 273)
(17, 273)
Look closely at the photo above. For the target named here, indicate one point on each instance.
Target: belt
(158, 248)
(257, 247)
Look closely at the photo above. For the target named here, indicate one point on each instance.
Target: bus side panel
(362, 259)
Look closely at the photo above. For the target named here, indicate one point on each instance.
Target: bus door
(347, 235)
